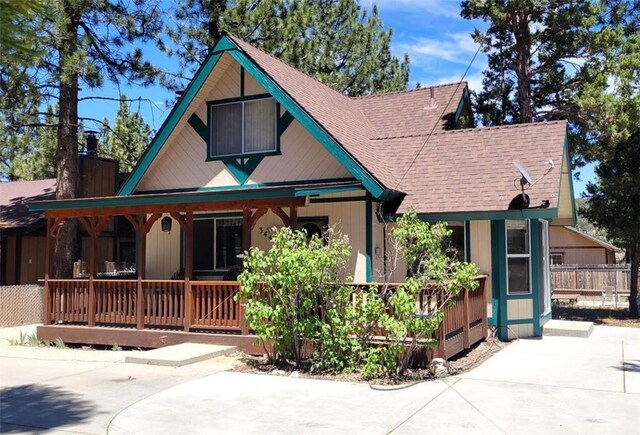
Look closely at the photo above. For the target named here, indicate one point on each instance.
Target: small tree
(283, 286)
(435, 278)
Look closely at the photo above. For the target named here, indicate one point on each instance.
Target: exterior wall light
(166, 224)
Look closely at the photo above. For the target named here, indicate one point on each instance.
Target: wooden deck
(177, 311)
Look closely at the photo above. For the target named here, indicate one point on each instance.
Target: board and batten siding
(519, 309)
(480, 245)
(182, 164)
(163, 249)
(576, 249)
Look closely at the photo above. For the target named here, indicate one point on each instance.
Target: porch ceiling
(216, 200)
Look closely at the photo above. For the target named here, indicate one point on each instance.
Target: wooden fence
(590, 278)
(213, 308)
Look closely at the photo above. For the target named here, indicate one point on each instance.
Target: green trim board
(172, 120)
(226, 45)
(464, 101)
(521, 322)
(467, 241)
(536, 213)
(253, 186)
(334, 200)
(190, 198)
(534, 260)
(499, 277)
(369, 238)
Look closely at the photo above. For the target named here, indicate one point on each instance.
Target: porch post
(293, 217)
(246, 229)
(48, 264)
(188, 270)
(91, 303)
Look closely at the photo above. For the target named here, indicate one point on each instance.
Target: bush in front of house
(301, 307)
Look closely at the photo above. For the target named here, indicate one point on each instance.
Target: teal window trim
(542, 213)
(369, 238)
(244, 154)
(529, 256)
(499, 277)
(521, 322)
(535, 275)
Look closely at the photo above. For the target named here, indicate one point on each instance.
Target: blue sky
(432, 32)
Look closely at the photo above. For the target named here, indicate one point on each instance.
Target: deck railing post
(466, 327)
(91, 300)
(188, 270)
(142, 252)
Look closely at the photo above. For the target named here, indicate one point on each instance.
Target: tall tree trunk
(633, 296)
(67, 241)
(522, 35)
(215, 9)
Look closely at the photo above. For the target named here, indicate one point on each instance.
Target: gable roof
(344, 125)
(15, 197)
(593, 239)
(471, 170)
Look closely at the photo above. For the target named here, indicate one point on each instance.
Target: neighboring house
(571, 246)
(253, 143)
(22, 232)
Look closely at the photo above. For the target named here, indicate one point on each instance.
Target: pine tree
(128, 138)
(336, 41)
(83, 42)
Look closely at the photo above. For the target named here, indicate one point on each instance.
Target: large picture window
(217, 244)
(244, 127)
(518, 257)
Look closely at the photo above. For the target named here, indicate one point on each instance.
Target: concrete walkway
(553, 385)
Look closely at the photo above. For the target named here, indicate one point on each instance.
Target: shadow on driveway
(35, 408)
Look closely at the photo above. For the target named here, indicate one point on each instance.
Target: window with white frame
(518, 257)
(557, 258)
(217, 243)
(243, 127)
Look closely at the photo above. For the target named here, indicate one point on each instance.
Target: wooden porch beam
(256, 216)
(282, 215)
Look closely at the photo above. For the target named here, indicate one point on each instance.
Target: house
(22, 232)
(569, 245)
(253, 143)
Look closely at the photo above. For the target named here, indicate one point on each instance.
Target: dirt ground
(461, 363)
(599, 316)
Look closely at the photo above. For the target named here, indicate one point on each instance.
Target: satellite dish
(526, 178)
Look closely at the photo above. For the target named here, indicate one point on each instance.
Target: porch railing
(214, 308)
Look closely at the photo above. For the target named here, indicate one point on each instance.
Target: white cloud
(446, 8)
(452, 47)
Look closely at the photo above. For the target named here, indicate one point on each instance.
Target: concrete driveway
(553, 385)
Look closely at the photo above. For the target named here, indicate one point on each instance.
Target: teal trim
(461, 105)
(535, 274)
(467, 241)
(520, 296)
(172, 120)
(200, 127)
(189, 198)
(310, 124)
(544, 319)
(499, 277)
(284, 121)
(224, 44)
(241, 169)
(333, 200)
(536, 213)
(248, 186)
(369, 238)
(521, 322)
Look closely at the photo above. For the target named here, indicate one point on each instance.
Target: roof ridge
(235, 37)
(406, 91)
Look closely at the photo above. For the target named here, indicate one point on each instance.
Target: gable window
(518, 257)
(244, 127)
(217, 243)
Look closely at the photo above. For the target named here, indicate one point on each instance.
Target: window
(313, 225)
(217, 243)
(557, 258)
(455, 245)
(518, 257)
(245, 127)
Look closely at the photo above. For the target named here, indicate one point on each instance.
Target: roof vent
(432, 100)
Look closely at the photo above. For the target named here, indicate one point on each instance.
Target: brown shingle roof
(412, 113)
(472, 170)
(353, 122)
(15, 197)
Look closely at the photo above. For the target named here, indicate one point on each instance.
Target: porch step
(567, 328)
(180, 355)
